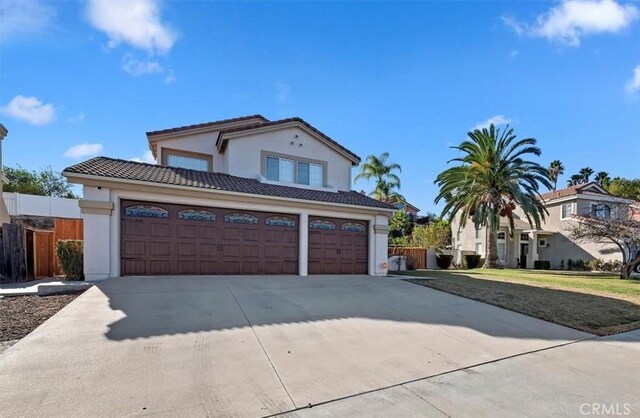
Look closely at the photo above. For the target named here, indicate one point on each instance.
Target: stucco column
(380, 243)
(303, 255)
(96, 216)
(533, 249)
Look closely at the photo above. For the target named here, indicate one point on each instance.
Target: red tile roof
(569, 191)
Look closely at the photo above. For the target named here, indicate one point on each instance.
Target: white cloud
(137, 68)
(24, 17)
(83, 150)
(514, 53)
(283, 92)
(571, 20)
(512, 23)
(30, 110)
(496, 120)
(633, 85)
(147, 157)
(135, 22)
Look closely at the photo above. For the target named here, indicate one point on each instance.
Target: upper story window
(502, 235)
(477, 233)
(600, 211)
(184, 159)
(566, 210)
(288, 170)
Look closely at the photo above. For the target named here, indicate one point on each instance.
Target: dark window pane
(303, 173)
(273, 169)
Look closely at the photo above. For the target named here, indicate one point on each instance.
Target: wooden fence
(27, 253)
(419, 255)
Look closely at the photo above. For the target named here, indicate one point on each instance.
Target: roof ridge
(205, 124)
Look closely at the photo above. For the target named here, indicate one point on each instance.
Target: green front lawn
(601, 304)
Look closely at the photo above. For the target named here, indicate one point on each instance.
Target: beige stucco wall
(245, 154)
(102, 230)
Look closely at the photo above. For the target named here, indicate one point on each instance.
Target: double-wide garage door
(168, 239)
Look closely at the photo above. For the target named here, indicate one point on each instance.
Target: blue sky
(85, 78)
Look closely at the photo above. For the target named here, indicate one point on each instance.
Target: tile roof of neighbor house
(569, 191)
(282, 122)
(151, 173)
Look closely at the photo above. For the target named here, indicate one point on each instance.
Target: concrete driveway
(252, 346)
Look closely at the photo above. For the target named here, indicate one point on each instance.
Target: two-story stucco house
(236, 196)
(552, 242)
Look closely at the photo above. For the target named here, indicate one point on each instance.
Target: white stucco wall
(244, 154)
(102, 232)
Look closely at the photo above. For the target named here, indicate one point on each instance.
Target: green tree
(626, 188)
(399, 224)
(436, 234)
(556, 169)
(492, 178)
(382, 172)
(585, 173)
(575, 180)
(602, 178)
(44, 183)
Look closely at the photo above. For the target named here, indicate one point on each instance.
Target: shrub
(70, 255)
(471, 261)
(444, 260)
(542, 265)
(595, 265)
(411, 262)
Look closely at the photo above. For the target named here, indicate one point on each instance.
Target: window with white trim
(502, 246)
(280, 169)
(477, 233)
(566, 210)
(287, 170)
(478, 248)
(524, 237)
(184, 161)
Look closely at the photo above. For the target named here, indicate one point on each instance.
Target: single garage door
(338, 246)
(167, 239)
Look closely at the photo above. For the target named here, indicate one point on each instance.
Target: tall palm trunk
(491, 257)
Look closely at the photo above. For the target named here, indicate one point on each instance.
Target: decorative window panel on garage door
(197, 240)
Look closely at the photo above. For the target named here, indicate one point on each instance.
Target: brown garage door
(338, 246)
(166, 239)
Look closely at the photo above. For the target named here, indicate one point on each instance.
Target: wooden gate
(65, 229)
(43, 254)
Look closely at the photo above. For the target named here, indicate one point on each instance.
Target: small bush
(444, 261)
(471, 261)
(411, 262)
(70, 256)
(542, 265)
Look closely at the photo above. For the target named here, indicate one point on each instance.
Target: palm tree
(491, 180)
(574, 180)
(556, 169)
(382, 172)
(603, 179)
(585, 173)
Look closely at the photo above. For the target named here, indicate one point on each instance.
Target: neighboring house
(237, 196)
(552, 242)
(408, 208)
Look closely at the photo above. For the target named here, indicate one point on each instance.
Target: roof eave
(71, 175)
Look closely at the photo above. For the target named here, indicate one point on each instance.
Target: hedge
(70, 254)
(471, 261)
(444, 261)
(541, 265)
